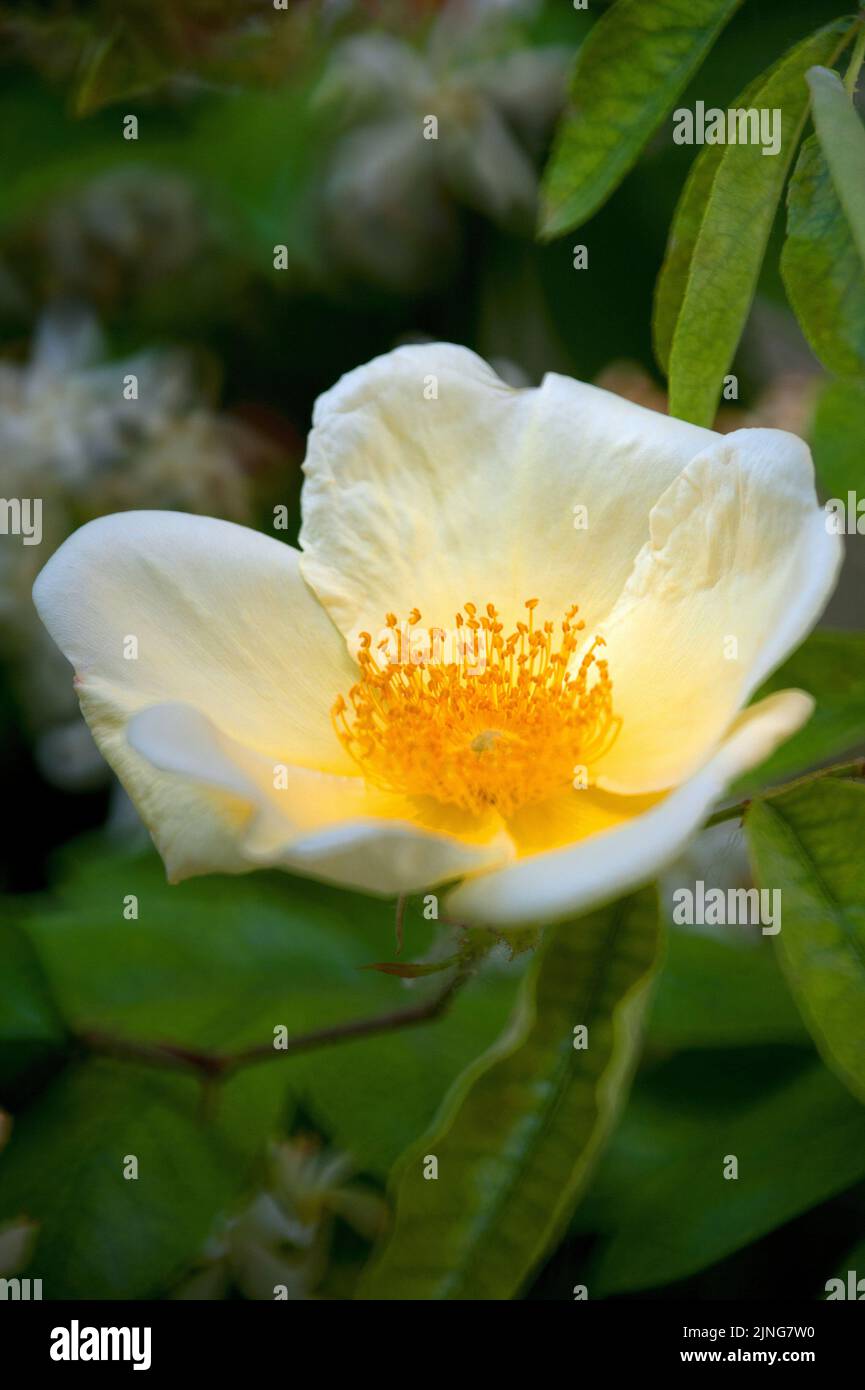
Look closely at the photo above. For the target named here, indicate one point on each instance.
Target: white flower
(76, 439)
(389, 188)
(699, 560)
(281, 1240)
(64, 417)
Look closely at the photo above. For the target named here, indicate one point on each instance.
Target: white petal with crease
(412, 501)
(738, 568)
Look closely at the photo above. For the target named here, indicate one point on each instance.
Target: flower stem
(216, 1066)
(856, 768)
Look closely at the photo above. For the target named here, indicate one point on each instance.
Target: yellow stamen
(502, 723)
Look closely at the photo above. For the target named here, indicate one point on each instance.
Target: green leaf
(808, 843)
(838, 440)
(517, 1136)
(636, 60)
(219, 969)
(684, 230)
(215, 970)
(661, 1198)
(731, 241)
(33, 1037)
(842, 139)
(821, 266)
(831, 666)
(118, 65)
(715, 992)
(102, 1235)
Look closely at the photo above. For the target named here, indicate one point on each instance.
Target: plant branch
(216, 1066)
(856, 768)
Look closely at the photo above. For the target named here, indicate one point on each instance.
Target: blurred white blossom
(84, 437)
(282, 1239)
(64, 418)
(130, 227)
(396, 173)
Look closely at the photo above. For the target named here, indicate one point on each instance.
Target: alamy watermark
(845, 518)
(22, 516)
(733, 907)
(20, 1290)
(408, 644)
(737, 126)
(77, 1343)
(853, 1288)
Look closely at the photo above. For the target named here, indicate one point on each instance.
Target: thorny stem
(215, 1066)
(856, 768)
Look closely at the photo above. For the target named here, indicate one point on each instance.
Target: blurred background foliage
(297, 127)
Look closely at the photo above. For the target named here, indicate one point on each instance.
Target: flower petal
(738, 568)
(222, 620)
(603, 865)
(329, 827)
(413, 501)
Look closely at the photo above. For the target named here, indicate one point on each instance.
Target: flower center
(474, 718)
